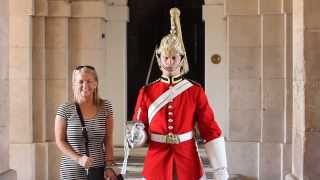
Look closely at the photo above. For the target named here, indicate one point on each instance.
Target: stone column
(245, 90)
(216, 75)
(275, 145)
(287, 147)
(258, 34)
(39, 88)
(5, 172)
(298, 90)
(312, 93)
(56, 74)
(87, 35)
(22, 147)
(115, 72)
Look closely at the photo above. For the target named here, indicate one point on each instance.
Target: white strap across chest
(166, 97)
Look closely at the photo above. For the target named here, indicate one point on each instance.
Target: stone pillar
(258, 34)
(312, 93)
(115, 72)
(274, 87)
(216, 75)
(5, 172)
(22, 147)
(87, 35)
(245, 91)
(298, 90)
(56, 68)
(39, 88)
(287, 147)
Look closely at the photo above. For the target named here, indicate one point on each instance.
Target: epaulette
(152, 83)
(194, 82)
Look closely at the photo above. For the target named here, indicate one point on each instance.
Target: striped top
(96, 128)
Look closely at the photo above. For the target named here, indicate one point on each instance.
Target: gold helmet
(172, 43)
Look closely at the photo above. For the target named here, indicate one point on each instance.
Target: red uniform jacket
(177, 117)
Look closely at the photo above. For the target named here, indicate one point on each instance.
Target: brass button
(170, 127)
(170, 120)
(170, 113)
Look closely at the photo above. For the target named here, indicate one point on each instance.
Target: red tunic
(177, 117)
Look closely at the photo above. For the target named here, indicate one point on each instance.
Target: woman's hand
(109, 174)
(85, 161)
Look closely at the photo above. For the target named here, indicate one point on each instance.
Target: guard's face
(170, 63)
(85, 84)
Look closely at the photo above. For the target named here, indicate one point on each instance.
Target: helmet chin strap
(170, 71)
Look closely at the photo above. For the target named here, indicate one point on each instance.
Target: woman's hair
(90, 70)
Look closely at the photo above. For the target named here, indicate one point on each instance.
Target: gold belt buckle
(172, 139)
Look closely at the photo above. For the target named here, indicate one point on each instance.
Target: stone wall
(259, 48)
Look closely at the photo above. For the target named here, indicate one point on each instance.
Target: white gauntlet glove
(216, 153)
(135, 134)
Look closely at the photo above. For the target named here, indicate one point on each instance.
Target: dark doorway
(149, 22)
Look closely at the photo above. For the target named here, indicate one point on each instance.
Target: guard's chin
(169, 70)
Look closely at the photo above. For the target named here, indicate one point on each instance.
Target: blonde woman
(97, 115)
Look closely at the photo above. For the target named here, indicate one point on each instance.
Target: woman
(98, 120)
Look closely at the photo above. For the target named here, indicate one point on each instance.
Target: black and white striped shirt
(96, 127)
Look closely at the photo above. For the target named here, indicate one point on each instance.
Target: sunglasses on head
(86, 66)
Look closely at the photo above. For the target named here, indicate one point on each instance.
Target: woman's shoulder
(65, 110)
(106, 103)
(66, 106)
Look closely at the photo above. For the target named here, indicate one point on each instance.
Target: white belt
(172, 138)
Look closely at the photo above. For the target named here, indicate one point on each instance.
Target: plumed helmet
(172, 43)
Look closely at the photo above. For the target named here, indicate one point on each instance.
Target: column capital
(59, 9)
(41, 8)
(84, 9)
(21, 8)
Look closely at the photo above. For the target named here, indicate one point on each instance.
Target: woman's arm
(60, 135)
(108, 143)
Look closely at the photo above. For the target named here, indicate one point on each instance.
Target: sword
(127, 147)
(150, 66)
